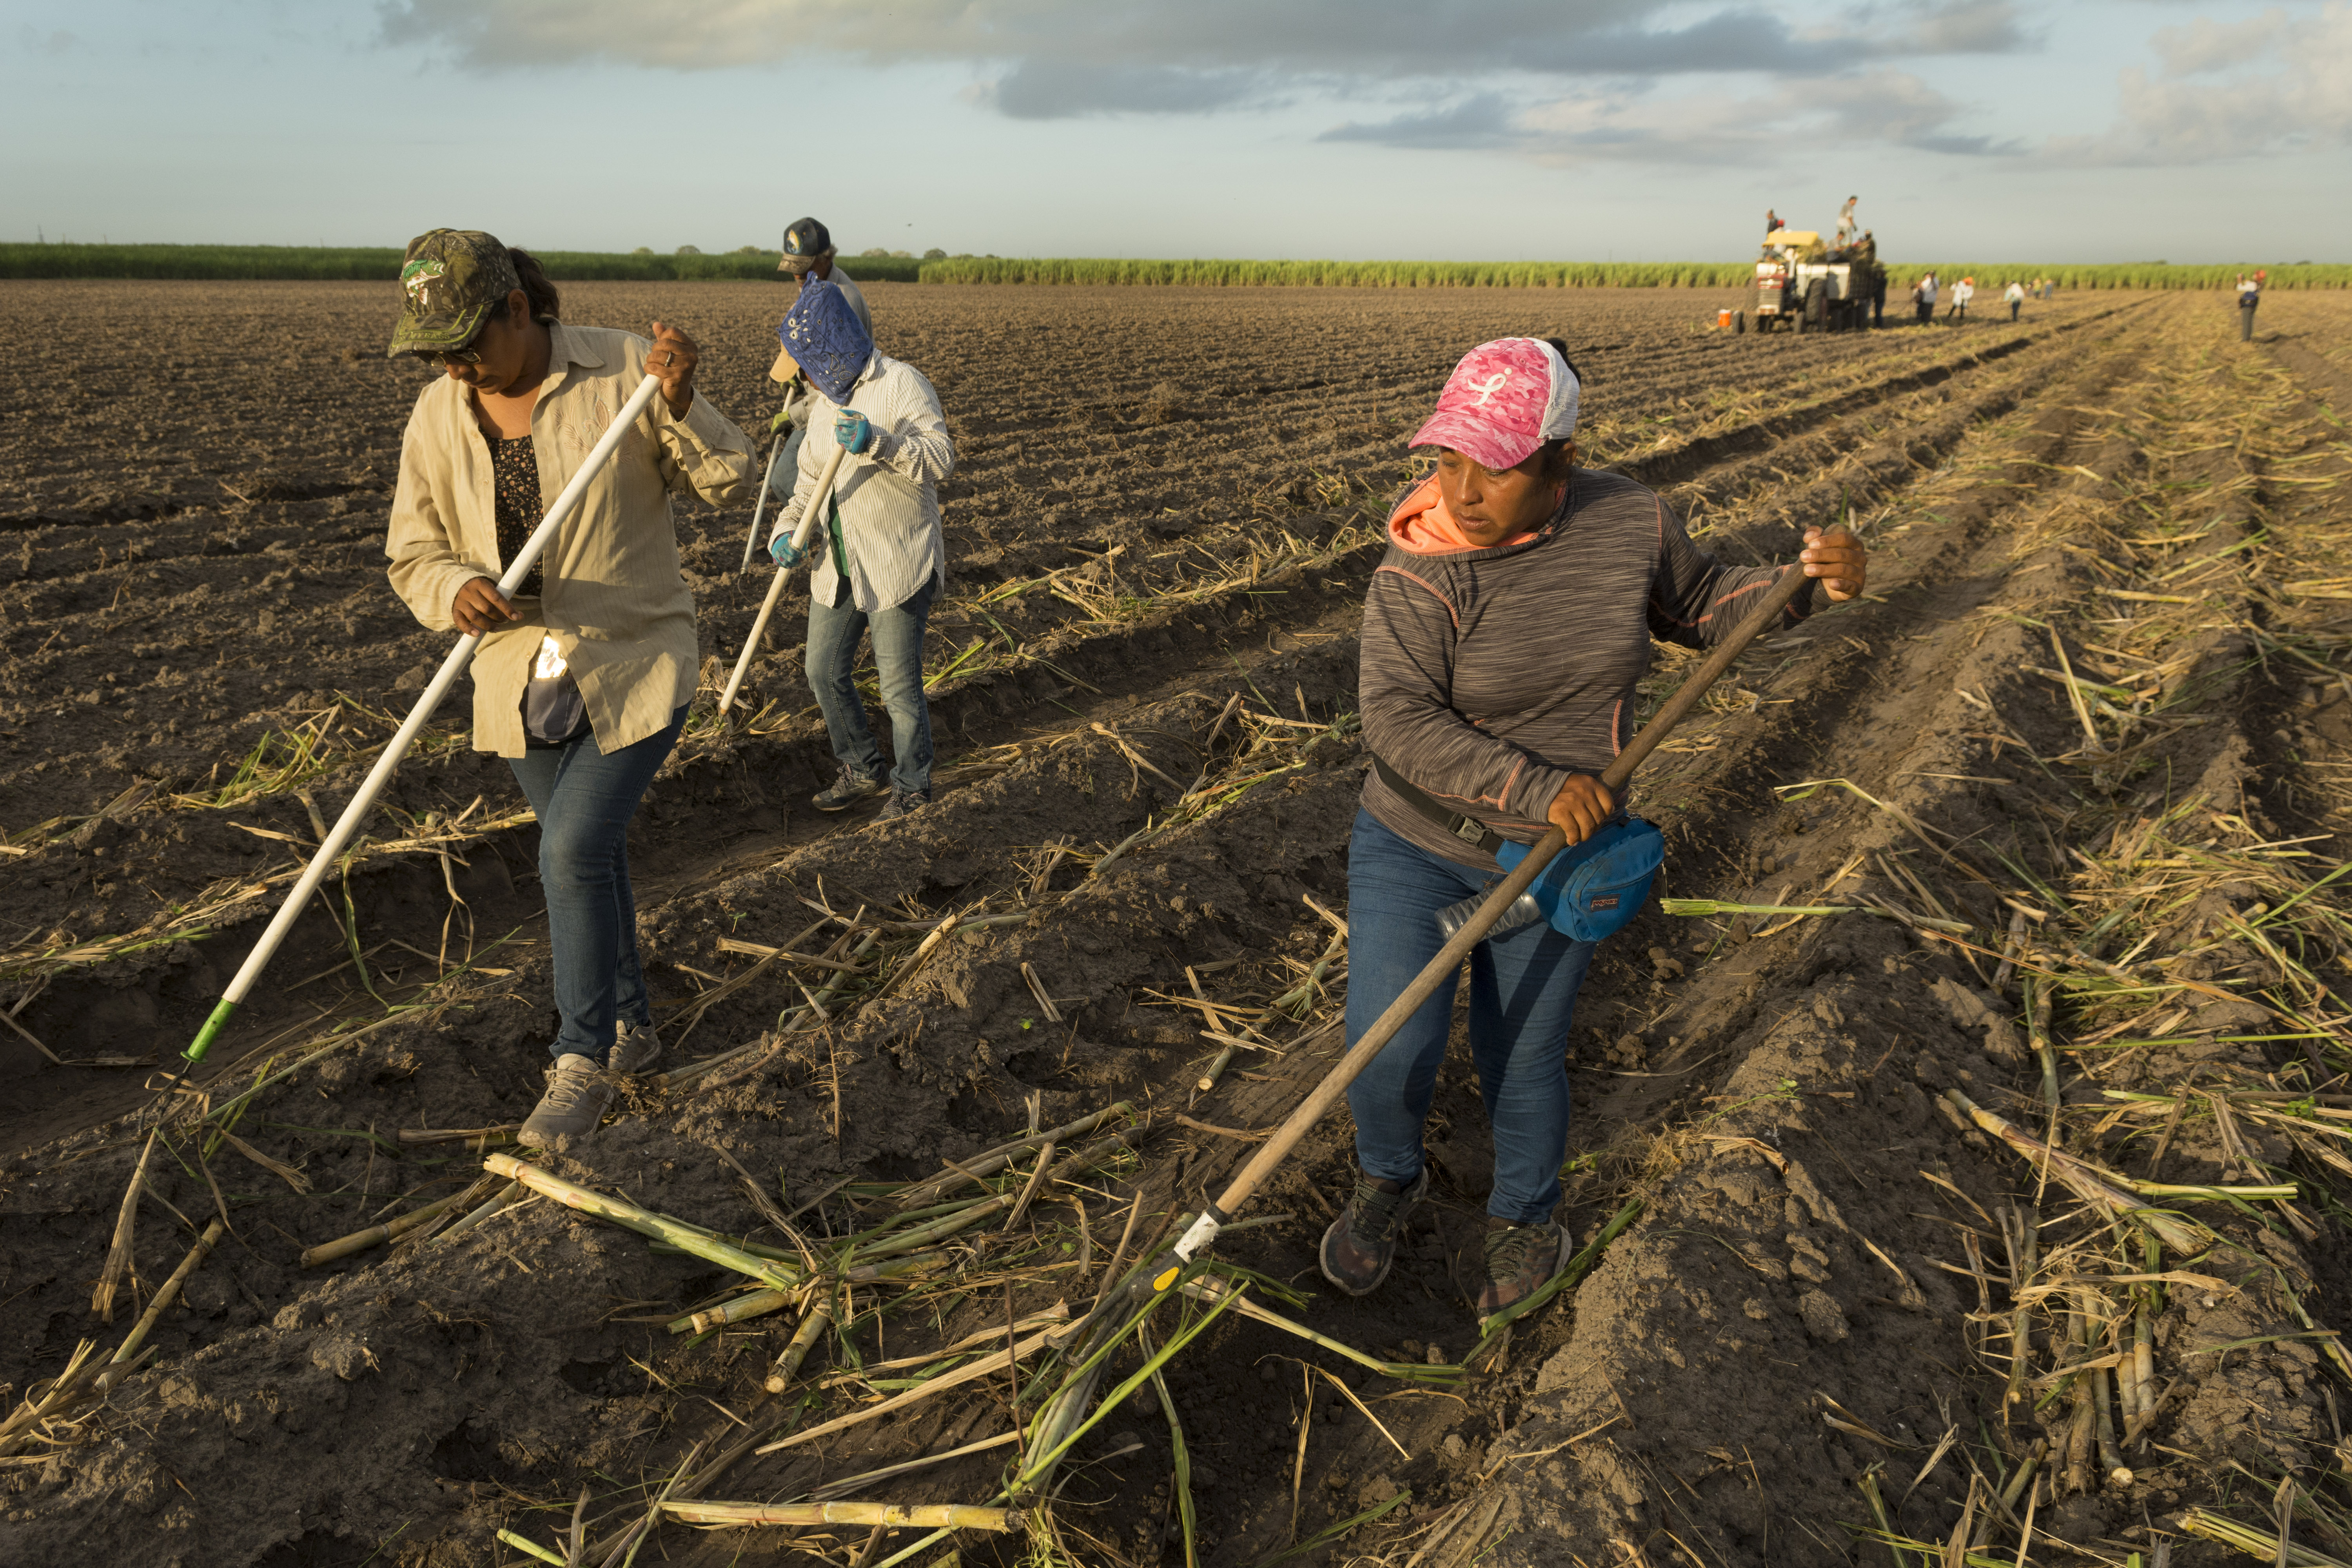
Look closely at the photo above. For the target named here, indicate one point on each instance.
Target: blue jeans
(1523, 988)
(584, 800)
(831, 662)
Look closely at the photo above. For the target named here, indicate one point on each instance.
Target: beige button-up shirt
(613, 601)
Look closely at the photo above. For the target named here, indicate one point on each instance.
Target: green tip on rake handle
(221, 1013)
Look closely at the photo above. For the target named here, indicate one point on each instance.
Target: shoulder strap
(1468, 829)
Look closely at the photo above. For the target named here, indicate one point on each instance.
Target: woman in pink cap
(1502, 637)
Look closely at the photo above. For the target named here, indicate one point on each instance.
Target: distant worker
(1963, 293)
(1923, 300)
(880, 557)
(1846, 229)
(585, 674)
(2250, 294)
(1772, 223)
(1866, 251)
(809, 256)
(2015, 295)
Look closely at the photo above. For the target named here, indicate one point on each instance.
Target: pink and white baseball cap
(1503, 401)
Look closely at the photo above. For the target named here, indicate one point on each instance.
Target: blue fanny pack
(1593, 889)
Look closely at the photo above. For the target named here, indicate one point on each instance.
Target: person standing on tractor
(1845, 227)
(583, 676)
(1773, 223)
(1501, 642)
(881, 554)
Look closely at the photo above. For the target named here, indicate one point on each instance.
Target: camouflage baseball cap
(452, 279)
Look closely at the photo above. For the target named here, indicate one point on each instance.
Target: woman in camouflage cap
(583, 676)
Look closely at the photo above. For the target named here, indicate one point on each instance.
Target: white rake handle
(819, 500)
(775, 450)
(347, 825)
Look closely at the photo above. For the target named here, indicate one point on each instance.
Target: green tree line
(382, 264)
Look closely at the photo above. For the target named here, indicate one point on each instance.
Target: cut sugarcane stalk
(996, 1360)
(506, 1196)
(392, 1230)
(812, 1322)
(2089, 1183)
(685, 1238)
(1004, 1154)
(953, 1515)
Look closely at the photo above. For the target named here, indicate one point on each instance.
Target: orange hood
(1421, 525)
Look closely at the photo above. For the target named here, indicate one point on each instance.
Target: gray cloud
(1376, 39)
(1478, 122)
(1050, 90)
(1045, 59)
(2265, 86)
(1876, 106)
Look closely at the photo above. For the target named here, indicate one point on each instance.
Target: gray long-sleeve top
(1489, 675)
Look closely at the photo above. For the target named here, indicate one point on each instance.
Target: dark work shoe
(1361, 1243)
(846, 791)
(1519, 1261)
(578, 1090)
(636, 1048)
(904, 803)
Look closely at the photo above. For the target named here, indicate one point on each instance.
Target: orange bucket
(1723, 317)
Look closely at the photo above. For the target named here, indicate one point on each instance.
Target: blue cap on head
(826, 338)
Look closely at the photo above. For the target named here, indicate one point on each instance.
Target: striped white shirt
(889, 494)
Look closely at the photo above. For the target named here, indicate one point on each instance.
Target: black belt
(1468, 829)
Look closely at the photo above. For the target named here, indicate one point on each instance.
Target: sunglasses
(435, 359)
(438, 358)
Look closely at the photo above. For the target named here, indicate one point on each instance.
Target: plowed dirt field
(1998, 1200)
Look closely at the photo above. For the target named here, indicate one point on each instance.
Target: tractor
(1811, 287)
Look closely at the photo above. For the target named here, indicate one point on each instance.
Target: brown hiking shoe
(1519, 1261)
(1361, 1243)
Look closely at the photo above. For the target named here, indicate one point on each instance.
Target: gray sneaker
(578, 1090)
(904, 803)
(846, 791)
(636, 1048)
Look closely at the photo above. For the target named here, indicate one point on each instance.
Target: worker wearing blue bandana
(880, 556)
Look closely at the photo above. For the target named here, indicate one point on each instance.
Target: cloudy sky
(1994, 130)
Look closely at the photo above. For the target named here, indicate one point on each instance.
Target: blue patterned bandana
(826, 338)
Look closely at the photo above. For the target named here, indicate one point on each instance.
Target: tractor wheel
(1817, 306)
(1739, 322)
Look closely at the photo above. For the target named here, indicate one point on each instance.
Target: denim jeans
(832, 662)
(1523, 988)
(584, 800)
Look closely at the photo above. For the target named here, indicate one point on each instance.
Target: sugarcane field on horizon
(1958, 1141)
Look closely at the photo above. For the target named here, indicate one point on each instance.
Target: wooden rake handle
(1449, 958)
